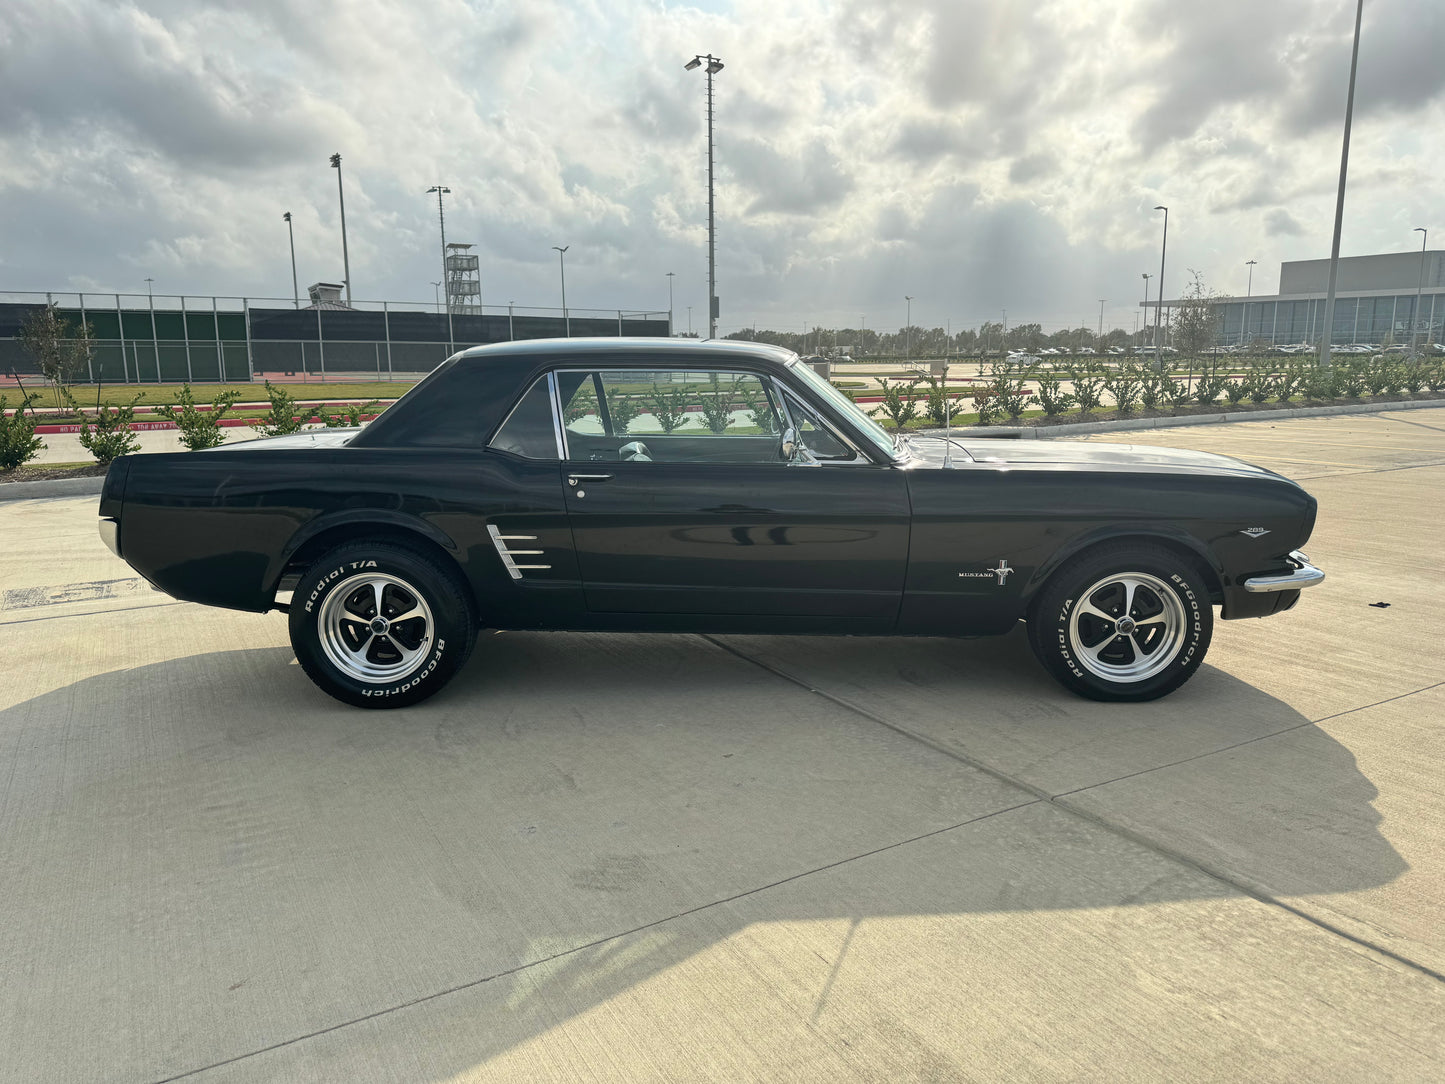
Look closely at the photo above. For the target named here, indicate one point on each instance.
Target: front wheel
(377, 625)
(1123, 623)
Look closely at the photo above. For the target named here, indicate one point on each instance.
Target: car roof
(691, 350)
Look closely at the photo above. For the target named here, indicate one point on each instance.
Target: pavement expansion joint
(1060, 801)
(598, 942)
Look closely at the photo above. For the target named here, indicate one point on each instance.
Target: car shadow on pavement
(212, 858)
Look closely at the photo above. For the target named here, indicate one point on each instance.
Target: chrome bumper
(110, 535)
(1306, 575)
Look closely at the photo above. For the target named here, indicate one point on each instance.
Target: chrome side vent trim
(506, 553)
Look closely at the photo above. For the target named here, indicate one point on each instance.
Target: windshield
(869, 428)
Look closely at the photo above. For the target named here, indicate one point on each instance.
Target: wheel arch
(1185, 545)
(370, 525)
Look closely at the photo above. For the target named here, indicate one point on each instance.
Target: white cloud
(980, 154)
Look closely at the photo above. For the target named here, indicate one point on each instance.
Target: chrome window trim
(558, 429)
(763, 379)
(784, 391)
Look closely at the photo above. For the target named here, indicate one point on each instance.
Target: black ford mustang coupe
(651, 484)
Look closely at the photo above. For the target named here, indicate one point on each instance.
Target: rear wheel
(378, 625)
(1123, 623)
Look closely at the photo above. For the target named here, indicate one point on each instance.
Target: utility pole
(714, 65)
(562, 265)
(341, 197)
(1248, 291)
(295, 289)
(908, 329)
(1101, 320)
(670, 276)
(1159, 308)
(1340, 197)
(1419, 286)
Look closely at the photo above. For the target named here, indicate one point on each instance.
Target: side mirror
(789, 446)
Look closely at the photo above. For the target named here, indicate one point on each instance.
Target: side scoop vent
(509, 555)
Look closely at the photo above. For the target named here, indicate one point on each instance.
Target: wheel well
(332, 537)
(1193, 557)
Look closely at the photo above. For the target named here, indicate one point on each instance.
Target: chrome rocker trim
(1306, 575)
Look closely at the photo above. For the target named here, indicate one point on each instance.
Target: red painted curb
(143, 427)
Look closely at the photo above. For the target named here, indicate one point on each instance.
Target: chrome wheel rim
(375, 628)
(1127, 627)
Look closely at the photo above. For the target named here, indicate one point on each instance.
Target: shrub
(1375, 374)
(1414, 375)
(717, 406)
(109, 435)
(1088, 387)
(898, 404)
(18, 442)
(1126, 386)
(199, 428)
(1434, 375)
(281, 419)
(1235, 390)
(1354, 377)
(1178, 392)
(347, 416)
(1051, 396)
(1259, 384)
(1151, 388)
(623, 410)
(668, 407)
(759, 411)
(1322, 384)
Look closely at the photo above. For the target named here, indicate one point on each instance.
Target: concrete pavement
(734, 858)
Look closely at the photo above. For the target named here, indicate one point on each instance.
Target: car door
(682, 502)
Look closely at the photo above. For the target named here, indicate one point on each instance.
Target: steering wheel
(635, 452)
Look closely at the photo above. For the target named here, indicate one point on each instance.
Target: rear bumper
(1302, 575)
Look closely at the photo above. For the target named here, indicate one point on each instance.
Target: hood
(1084, 455)
(311, 438)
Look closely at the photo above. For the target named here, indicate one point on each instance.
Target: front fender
(1163, 533)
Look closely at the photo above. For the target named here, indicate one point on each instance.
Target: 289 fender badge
(1254, 532)
(1001, 572)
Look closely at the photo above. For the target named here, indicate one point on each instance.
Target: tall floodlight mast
(714, 65)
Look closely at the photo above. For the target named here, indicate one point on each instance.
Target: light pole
(1248, 290)
(155, 340)
(442, 222)
(908, 328)
(341, 198)
(562, 265)
(714, 65)
(1419, 286)
(1340, 197)
(1147, 277)
(1159, 307)
(295, 289)
(511, 329)
(437, 290)
(689, 320)
(670, 276)
(1101, 323)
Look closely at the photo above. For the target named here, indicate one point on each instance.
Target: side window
(672, 415)
(528, 430)
(814, 434)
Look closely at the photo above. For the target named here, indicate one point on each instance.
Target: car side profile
(657, 485)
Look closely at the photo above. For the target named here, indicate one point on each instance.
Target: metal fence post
(186, 336)
(386, 322)
(89, 368)
(246, 319)
(320, 344)
(220, 354)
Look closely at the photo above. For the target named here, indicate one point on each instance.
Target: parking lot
(649, 857)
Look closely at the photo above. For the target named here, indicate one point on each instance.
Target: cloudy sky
(980, 155)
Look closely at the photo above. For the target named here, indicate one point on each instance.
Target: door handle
(578, 479)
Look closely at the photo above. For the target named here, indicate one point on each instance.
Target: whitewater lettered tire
(1123, 623)
(378, 625)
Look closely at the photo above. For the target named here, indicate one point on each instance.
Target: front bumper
(1303, 574)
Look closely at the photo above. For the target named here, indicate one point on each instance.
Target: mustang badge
(1001, 572)
(1254, 532)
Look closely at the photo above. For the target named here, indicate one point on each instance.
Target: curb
(52, 487)
(1044, 432)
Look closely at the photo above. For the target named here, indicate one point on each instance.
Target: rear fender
(362, 521)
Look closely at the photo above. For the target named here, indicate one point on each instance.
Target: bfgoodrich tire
(377, 625)
(1123, 623)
